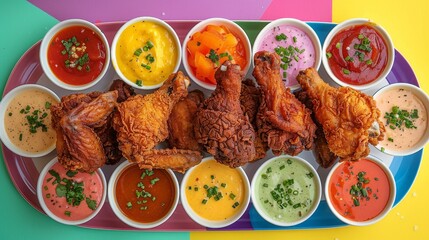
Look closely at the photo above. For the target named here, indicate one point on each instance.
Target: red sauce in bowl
(144, 196)
(357, 55)
(76, 55)
(346, 194)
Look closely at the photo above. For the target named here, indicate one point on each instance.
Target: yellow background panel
(408, 24)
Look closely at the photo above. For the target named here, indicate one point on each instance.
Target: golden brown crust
(283, 122)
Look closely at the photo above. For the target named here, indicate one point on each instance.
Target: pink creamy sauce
(93, 188)
(300, 41)
(401, 138)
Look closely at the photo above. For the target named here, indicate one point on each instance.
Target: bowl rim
(238, 32)
(113, 204)
(356, 22)
(55, 217)
(303, 26)
(44, 46)
(115, 40)
(389, 204)
(424, 98)
(4, 103)
(214, 223)
(315, 203)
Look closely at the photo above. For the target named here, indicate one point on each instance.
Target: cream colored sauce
(403, 138)
(16, 123)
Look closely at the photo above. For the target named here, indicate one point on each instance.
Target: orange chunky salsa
(76, 55)
(357, 55)
(359, 190)
(208, 49)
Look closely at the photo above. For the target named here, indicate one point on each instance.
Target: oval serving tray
(25, 171)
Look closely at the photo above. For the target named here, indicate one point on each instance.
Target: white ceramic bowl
(214, 223)
(299, 25)
(43, 55)
(55, 217)
(382, 214)
(118, 212)
(3, 108)
(353, 22)
(258, 205)
(159, 22)
(424, 99)
(233, 27)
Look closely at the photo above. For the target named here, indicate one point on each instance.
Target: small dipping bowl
(215, 195)
(400, 140)
(352, 42)
(297, 44)
(142, 198)
(145, 51)
(366, 193)
(208, 44)
(75, 54)
(94, 190)
(14, 132)
(286, 190)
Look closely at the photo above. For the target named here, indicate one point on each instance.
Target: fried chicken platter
(245, 119)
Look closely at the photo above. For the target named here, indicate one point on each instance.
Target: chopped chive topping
(328, 55)
(67, 213)
(139, 82)
(281, 36)
(338, 45)
(346, 71)
(282, 167)
(223, 185)
(398, 118)
(138, 52)
(232, 196)
(204, 201)
(294, 39)
(212, 176)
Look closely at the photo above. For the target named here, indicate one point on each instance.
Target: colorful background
(23, 23)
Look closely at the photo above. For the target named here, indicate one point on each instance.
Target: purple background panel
(108, 11)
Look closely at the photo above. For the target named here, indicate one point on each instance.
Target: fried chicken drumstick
(141, 123)
(349, 118)
(220, 124)
(283, 122)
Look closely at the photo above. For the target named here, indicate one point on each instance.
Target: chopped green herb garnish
(139, 82)
(328, 55)
(346, 71)
(71, 173)
(67, 213)
(153, 181)
(92, 204)
(223, 185)
(281, 36)
(129, 205)
(138, 52)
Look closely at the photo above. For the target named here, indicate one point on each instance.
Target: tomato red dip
(357, 55)
(88, 189)
(348, 184)
(144, 196)
(76, 55)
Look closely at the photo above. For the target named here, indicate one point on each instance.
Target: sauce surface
(28, 121)
(286, 190)
(144, 196)
(357, 55)
(146, 53)
(76, 55)
(399, 138)
(358, 207)
(215, 191)
(295, 49)
(92, 191)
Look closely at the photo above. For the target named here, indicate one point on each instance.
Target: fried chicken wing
(349, 118)
(75, 118)
(141, 123)
(250, 99)
(220, 124)
(283, 122)
(181, 122)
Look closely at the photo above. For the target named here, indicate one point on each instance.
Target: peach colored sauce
(17, 125)
(93, 189)
(401, 138)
